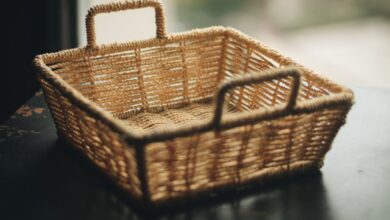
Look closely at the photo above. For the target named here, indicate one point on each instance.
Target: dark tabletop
(43, 178)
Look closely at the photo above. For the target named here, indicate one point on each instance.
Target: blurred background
(346, 40)
(29, 28)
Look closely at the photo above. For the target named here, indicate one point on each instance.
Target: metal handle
(121, 6)
(257, 78)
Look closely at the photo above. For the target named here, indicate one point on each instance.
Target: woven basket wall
(182, 114)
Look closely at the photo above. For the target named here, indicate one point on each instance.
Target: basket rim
(342, 95)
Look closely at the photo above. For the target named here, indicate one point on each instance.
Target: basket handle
(121, 6)
(257, 78)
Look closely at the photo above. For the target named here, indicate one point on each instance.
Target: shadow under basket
(185, 114)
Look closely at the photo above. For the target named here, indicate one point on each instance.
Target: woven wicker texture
(185, 113)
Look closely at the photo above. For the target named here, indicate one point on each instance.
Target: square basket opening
(173, 82)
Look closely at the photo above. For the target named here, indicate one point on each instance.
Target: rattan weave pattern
(185, 113)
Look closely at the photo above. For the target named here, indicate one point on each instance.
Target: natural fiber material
(146, 114)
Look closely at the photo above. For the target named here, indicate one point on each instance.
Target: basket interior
(170, 84)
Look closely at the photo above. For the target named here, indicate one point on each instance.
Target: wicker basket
(145, 112)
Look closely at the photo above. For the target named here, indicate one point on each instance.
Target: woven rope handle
(121, 6)
(257, 78)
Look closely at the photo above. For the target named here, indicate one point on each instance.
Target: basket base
(200, 111)
(203, 198)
